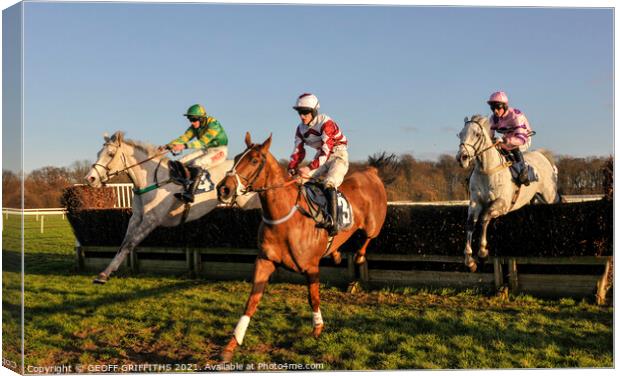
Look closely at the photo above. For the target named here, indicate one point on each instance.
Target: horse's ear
(248, 139)
(466, 119)
(266, 145)
(106, 137)
(118, 137)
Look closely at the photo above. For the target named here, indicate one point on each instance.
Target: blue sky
(395, 78)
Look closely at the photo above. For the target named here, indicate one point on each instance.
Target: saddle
(182, 175)
(313, 194)
(515, 168)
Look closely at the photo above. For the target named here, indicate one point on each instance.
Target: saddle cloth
(515, 169)
(317, 203)
(181, 174)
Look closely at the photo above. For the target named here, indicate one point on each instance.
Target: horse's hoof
(472, 267)
(101, 279)
(484, 258)
(226, 356)
(316, 332)
(336, 257)
(360, 259)
(227, 353)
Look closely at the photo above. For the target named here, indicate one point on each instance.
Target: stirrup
(185, 197)
(326, 223)
(524, 178)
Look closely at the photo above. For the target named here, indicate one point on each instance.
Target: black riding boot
(523, 177)
(188, 195)
(332, 199)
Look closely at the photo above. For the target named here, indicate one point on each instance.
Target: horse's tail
(385, 165)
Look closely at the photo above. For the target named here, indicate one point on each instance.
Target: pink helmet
(498, 96)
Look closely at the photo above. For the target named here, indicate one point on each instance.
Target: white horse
(154, 203)
(492, 192)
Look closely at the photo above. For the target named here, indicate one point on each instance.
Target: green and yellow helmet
(196, 111)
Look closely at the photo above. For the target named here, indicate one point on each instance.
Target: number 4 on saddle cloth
(183, 175)
(515, 168)
(314, 196)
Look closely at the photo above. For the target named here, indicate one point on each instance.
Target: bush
(575, 229)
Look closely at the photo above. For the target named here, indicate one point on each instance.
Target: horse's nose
(223, 193)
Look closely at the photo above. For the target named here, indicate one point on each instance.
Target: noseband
(108, 175)
(477, 144)
(249, 182)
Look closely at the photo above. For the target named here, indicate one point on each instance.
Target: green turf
(150, 319)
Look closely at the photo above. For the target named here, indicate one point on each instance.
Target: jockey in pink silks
(514, 129)
(320, 132)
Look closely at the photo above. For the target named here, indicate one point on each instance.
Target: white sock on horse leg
(241, 327)
(317, 319)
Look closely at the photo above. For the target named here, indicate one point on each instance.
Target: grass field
(150, 319)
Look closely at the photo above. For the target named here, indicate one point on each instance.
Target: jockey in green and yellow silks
(207, 136)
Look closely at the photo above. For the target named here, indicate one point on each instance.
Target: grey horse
(146, 166)
(492, 192)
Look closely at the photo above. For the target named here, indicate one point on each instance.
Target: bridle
(243, 189)
(476, 155)
(108, 175)
(478, 142)
(249, 186)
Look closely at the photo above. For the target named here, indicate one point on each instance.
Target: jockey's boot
(188, 195)
(332, 200)
(523, 177)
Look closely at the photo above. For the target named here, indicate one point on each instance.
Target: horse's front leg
(315, 302)
(262, 270)
(472, 218)
(137, 230)
(497, 208)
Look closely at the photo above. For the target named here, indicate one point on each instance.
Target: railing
(123, 193)
(38, 213)
(124, 198)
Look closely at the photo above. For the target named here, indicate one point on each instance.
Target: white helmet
(307, 101)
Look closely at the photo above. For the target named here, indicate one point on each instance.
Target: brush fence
(546, 250)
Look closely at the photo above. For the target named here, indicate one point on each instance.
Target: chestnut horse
(288, 238)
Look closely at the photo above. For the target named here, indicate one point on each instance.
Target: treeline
(43, 187)
(416, 180)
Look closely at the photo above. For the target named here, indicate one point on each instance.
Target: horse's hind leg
(262, 270)
(136, 232)
(315, 301)
(360, 255)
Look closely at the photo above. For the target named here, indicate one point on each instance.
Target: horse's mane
(147, 148)
(482, 120)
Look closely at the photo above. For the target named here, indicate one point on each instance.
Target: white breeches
(335, 168)
(206, 158)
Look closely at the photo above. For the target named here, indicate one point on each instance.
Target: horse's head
(474, 138)
(246, 173)
(109, 161)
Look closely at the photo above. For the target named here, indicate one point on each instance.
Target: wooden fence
(529, 275)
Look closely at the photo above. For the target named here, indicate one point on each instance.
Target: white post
(42, 220)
